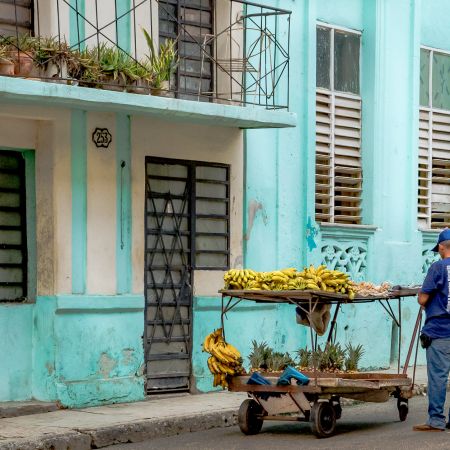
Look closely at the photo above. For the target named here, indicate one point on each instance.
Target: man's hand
(423, 298)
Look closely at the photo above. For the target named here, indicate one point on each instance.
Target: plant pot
(162, 91)
(114, 85)
(6, 67)
(139, 87)
(23, 63)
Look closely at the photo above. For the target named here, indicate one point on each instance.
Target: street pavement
(365, 426)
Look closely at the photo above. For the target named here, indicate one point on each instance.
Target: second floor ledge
(22, 91)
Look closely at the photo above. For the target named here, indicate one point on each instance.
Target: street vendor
(434, 297)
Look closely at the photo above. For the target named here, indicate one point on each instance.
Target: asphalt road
(362, 427)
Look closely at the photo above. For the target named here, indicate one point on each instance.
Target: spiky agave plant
(354, 355)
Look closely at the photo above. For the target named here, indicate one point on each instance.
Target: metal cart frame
(319, 401)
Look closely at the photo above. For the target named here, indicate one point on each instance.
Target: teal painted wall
(88, 349)
(16, 325)
(434, 24)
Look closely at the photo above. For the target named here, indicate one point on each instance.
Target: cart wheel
(336, 404)
(403, 411)
(249, 423)
(323, 419)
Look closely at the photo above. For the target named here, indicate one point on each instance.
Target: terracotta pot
(162, 91)
(139, 87)
(114, 85)
(23, 63)
(6, 67)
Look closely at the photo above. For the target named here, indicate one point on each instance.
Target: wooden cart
(319, 401)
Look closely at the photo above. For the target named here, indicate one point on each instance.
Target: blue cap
(443, 236)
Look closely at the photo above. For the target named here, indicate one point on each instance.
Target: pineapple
(354, 355)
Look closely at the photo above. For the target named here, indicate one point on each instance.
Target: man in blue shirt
(434, 297)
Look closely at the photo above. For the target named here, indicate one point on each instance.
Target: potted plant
(6, 64)
(163, 64)
(21, 52)
(140, 74)
(83, 66)
(51, 57)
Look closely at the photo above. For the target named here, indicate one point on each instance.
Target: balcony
(223, 61)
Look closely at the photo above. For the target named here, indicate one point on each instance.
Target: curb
(85, 439)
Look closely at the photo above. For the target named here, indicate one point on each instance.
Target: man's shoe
(426, 427)
(447, 425)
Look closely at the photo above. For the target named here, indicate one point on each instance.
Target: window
(15, 16)
(188, 207)
(338, 127)
(191, 22)
(13, 240)
(434, 140)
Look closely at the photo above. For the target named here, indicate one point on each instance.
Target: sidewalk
(127, 422)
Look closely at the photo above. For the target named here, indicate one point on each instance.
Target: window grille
(13, 242)
(338, 127)
(434, 141)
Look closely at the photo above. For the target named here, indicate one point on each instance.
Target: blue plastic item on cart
(290, 373)
(258, 379)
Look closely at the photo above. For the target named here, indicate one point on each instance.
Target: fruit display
(366, 289)
(225, 359)
(319, 279)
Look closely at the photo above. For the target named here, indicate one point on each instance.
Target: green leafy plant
(354, 355)
(163, 63)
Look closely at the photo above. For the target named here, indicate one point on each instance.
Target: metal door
(168, 275)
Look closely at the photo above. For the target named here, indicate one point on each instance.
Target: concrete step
(16, 409)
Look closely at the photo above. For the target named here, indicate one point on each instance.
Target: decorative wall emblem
(101, 137)
(428, 258)
(347, 257)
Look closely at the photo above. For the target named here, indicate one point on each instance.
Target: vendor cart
(319, 401)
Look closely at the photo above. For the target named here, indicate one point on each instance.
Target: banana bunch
(323, 279)
(320, 279)
(225, 359)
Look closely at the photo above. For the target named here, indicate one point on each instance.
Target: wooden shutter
(338, 158)
(440, 170)
(424, 188)
(434, 169)
(14, 12)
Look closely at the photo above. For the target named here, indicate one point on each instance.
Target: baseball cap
(444, 235)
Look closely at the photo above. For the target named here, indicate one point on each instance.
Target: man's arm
(423, 298)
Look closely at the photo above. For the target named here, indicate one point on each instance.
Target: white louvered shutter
(440, 172)
(434, 169)
(338, 158)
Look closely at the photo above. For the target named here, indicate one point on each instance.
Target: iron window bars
(238, 55)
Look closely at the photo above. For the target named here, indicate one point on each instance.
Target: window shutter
(424, 189)
(440, 170)
(324, 198)
(12, 9)
(338, 158)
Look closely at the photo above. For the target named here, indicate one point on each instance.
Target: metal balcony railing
(225, 51)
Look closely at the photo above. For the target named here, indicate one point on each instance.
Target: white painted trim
(321, 23)
(437, 50)
(341, 94)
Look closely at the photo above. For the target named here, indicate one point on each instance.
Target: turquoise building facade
(79, 336)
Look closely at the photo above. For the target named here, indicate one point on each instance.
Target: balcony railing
(223, 51)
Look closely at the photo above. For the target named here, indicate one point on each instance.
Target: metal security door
(168, 275)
